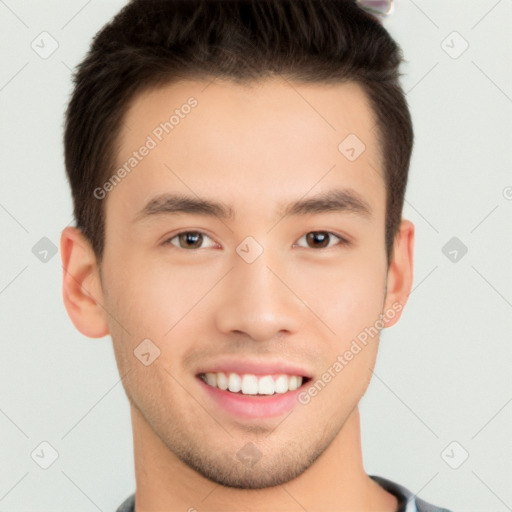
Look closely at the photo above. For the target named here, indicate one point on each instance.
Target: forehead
(248, 144)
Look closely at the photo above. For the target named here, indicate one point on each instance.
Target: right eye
(188, 240)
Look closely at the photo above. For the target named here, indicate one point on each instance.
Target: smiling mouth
(253, 385)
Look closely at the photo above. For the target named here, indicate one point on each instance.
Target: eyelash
(342, 241)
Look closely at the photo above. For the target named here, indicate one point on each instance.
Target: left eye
(321, 239)
(314, 239)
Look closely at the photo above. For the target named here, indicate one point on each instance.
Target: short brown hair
(152, 42)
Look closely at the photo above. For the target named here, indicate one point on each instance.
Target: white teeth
(222, 381)
(234, 383)
(281, 385)
(211, 379)
(292, 383)
(249, 384)
(266, 385)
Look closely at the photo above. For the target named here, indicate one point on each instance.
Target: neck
(335, 481)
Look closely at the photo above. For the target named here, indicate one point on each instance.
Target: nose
(257, 300)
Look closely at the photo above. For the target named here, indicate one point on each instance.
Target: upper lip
(253, 366)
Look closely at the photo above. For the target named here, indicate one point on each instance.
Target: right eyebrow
(173, 203)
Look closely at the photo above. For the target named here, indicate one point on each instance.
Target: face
(246, 284)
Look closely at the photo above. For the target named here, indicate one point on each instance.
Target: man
(238, 171)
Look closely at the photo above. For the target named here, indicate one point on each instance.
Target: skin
(254, 148)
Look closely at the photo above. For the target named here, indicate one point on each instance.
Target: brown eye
(189, 240)
(322, 239)
(318, 239)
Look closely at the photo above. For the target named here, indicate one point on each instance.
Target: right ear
(81, 285)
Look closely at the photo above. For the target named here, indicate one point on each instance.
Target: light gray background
(443, 372)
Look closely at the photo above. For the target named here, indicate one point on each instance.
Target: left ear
(400, 273)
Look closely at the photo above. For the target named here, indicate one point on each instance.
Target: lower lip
(252, 406)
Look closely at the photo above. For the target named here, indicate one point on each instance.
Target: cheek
(347, 295)
(147, 304)
(351, 304)
(152, 297)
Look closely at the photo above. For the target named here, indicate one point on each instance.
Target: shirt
(407, 501)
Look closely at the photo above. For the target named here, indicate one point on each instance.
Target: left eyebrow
(337, 200)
